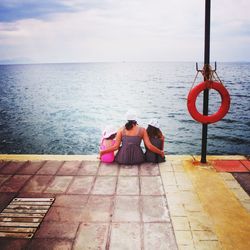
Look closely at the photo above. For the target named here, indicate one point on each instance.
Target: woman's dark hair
(129, 125)
(154, 132)
(112, 137)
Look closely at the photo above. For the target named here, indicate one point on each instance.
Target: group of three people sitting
(127, 140)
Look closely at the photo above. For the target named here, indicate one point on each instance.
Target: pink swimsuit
(109, 157)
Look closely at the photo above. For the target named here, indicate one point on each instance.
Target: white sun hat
(154, 123)
(131, 115)
(108, 131)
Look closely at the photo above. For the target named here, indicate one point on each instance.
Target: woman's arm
(150, 146)
(162, 139)
(118, 140)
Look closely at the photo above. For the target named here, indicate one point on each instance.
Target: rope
(194, 80)
(218, 77)
(212, 75)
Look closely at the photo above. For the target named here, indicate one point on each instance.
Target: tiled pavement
(101, 206)
(97, 206)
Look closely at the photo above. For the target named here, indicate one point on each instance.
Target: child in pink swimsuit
(107, 141)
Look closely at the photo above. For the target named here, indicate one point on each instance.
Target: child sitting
(107, 141)
(157, 139)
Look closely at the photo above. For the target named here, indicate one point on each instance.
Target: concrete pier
(179, 204)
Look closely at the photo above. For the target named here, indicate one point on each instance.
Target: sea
(63, 108)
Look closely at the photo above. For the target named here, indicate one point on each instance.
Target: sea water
(63, 108)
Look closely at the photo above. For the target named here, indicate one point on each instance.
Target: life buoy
(225, 102)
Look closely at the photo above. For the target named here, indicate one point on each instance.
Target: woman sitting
(157, 139)
(130, 137)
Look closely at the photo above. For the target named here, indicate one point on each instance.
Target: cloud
(14, 10)
(132, 30)
(11, 11)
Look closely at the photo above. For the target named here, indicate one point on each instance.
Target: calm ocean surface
(62, 108)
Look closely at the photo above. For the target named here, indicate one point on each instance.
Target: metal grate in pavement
(21, 218)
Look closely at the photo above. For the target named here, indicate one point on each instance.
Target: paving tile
(240, 194)
(14, 184)
(208, 245)
(193, 207)
(69, 168)
(108, 169)
(151, 185)
(175, 198)
(246, 163)
(31, 167)
(12, 167)
(104, 185)
(149, 169)
(154, 209)
(57, 230)
(189, 247)
(177, 166)
(77, 201)
(189, 197)
(91, 236)
(226, 176)
(5, 199)
(125, 236)
(126, 209)
(98, 209)
(166, 166)
(203, 235)
(50, 244)
(168, 179)
(3, 163)
(128, 185)
(229, 166)
(176, 209)
(186, 187)
(3, 178)
(182, 179)
(246, 205)
(88, 168)
(37, 184)
(199, 221)
(233, 183)
(50, 167)
(81, 185)
(13, 244)
(184, 237)
(59, 184)
(129, 170)
(180, 223)
(159, 236)
(64, 214)
(171, 189)
(177, 161)
(35, 195)
(244, 180)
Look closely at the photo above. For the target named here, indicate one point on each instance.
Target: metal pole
(206, 77)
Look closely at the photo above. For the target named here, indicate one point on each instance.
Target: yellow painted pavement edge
(37, 157)
(230, 218)
(30, 157)
(221, 157)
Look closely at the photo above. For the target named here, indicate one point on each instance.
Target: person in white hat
(108, 136)
(157, 139)
(128, 141)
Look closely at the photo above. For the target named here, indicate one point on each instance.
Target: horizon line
(124, 61)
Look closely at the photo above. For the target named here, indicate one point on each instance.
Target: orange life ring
(225, 102)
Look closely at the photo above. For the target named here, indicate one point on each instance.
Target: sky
(57, 31)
